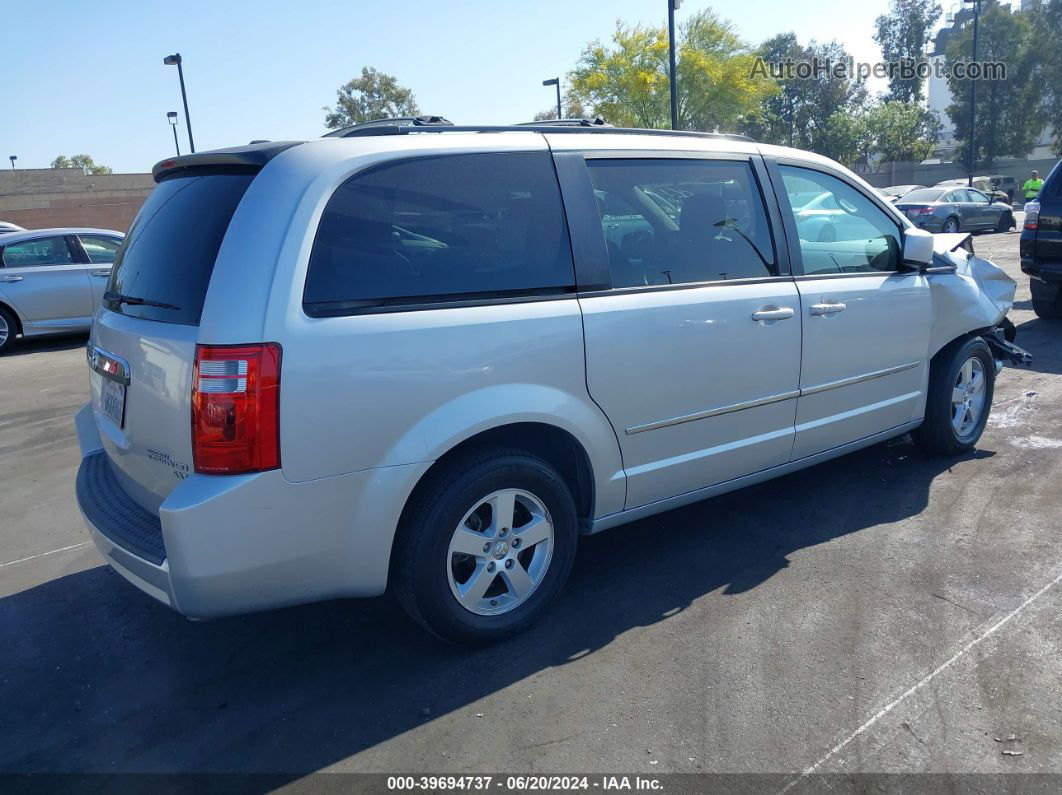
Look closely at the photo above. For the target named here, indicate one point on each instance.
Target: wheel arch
(14, 313)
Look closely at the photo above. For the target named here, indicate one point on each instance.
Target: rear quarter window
(440, 229)
(168, 255)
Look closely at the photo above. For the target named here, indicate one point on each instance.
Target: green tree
(1010, 113)
(900, 131)
(776, 121)
(374, 95)
(903, 34)
(84, 162)
(1046, 62)
(626, 82)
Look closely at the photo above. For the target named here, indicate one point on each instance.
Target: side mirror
(917, 248)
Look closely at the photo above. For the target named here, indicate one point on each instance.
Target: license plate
(112, 401)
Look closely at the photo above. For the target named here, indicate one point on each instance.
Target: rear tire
(461, 567)
(1046, 300)
(8, 330)
(951, 225)
(961, 386)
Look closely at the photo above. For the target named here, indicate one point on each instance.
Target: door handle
(769, 313)
(11, 278)
(101, 273)
(826, 308)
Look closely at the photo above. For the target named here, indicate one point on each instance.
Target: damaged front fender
(968, 293)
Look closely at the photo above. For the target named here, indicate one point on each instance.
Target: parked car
(897, 192)
(6, 227)
(1008, 185)
(424, 361)
(1041, 247)
(955, 210)
(52, 280)
(982, 184)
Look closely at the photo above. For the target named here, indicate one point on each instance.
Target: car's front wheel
(485, 546)
(961, 386)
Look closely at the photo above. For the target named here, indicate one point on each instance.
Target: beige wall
(38, 198)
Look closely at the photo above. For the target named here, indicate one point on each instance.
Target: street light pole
(672, 7)
(555, 81)
(176, 60)
(12, 158)
(973, 96)
(171, 117)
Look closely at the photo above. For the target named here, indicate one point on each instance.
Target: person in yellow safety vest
(1032, 186)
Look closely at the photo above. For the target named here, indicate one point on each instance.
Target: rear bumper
(242, 543)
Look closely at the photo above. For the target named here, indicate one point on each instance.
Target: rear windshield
(922, 196)
(169, 253)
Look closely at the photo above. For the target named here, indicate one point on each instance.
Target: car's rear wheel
(1047, 300)
(961, 386)
(8, 330)
(951, 225)
(485, 546)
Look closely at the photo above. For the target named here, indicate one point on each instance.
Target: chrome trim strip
(751, 404)
(107, 364)
(700, 415)
(858, 379)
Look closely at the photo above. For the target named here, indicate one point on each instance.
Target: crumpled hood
(976, 296)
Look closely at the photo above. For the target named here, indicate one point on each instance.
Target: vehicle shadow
(60, 342)
(1041, 338)
(97, 677)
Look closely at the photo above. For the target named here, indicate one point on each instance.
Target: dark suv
(1041, 247)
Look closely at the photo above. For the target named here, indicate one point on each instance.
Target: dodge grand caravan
(425, 361)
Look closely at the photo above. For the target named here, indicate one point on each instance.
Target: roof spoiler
(243, 158)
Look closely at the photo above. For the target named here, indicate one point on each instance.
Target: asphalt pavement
(885, 612)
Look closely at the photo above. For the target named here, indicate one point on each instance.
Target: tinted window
(682, 221)
(43, 251)
(100, 249)
(856, 237)
(924, 195)
(169, 253)
(977, 196)
(459, 226)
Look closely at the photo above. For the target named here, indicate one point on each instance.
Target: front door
(693, 352)
(866, 322)
(44, 282)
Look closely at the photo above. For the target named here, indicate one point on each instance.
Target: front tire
(961, 387)
(1006, 222)
(485, 546)
(8, 330)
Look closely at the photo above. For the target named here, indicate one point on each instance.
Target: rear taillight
(922, 210)
(236, 408)
(1032, 215)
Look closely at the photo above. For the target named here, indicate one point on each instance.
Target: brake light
(1032, 216)
(922, 210)
(236, 408)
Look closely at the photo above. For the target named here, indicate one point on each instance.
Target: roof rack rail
(373, 127)
(597, 121)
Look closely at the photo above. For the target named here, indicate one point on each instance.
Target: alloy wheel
(500, 552)
(968, 396)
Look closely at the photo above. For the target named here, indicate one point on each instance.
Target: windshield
(168, 256)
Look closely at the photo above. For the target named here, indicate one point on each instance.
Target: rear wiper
(134, 301)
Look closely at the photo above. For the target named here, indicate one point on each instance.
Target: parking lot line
(49, 552)
(921, 683)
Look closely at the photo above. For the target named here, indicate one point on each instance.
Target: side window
(840, 229)
(977, 196)
(100, 250)
(43, 251)
(456, 226)
(956, 197)
(682, 221)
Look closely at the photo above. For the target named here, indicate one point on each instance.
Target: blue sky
(87, 76)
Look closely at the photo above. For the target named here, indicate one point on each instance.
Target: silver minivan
(427, 360)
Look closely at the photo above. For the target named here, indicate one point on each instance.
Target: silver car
(51, 280)
(427, 360)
